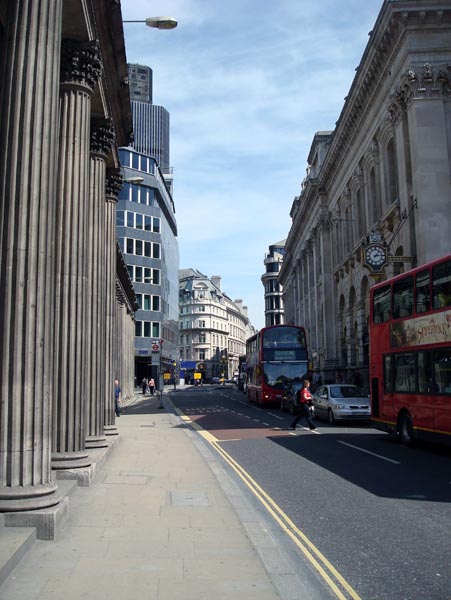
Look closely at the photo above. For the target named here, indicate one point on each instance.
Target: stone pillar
(113, 187)
(80, 69)
(102, 137)
(28, 160)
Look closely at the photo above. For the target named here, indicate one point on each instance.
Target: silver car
(341, 401)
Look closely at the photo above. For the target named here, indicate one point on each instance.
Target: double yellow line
(327, 571)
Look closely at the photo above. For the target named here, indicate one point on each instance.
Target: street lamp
(157, 22)
(133, 179)
(224, 372)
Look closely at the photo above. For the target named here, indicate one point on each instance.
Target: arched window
(392, 184)
(373, 209)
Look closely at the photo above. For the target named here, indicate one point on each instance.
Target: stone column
(80, 69)
(102, 137)
(28, 160)
(113, 187)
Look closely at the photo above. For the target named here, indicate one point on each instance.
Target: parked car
(341, 401)
(289, 401)
(215, 380)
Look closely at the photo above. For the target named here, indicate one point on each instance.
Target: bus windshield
(279, 375)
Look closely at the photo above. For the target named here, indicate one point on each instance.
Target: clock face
(375, 256)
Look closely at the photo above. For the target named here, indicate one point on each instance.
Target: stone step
(14, 543)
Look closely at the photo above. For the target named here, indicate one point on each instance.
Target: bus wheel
(330, 416)
(405, 429)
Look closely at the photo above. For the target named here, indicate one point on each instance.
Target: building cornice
(395, 19)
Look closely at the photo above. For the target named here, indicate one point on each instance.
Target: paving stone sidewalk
(155, 524)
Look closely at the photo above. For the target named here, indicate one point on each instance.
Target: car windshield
(347, 391)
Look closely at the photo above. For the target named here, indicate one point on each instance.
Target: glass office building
(147, 233)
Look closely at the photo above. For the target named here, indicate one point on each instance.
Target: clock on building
(375, 256)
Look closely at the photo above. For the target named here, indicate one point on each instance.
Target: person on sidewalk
(117, 398)
(144, 385)
(152, 386)
(304, 399)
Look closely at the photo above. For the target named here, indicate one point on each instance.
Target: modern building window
(138, 248)
(147, 329)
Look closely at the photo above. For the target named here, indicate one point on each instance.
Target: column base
(111, 430)
(48, 521)
(28, 497)
(96, 441)
(70, 460)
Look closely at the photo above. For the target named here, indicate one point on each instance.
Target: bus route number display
(284, 354)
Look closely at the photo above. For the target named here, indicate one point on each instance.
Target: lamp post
(223, 368)
(157, 22)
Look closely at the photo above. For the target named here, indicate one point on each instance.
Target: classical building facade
(213, 328)
(67, 303)
(384, 173)
(273, 289)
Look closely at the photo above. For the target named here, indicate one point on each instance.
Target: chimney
(216, 280)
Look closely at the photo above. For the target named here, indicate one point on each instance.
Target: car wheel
(405, 429)
(330, 416)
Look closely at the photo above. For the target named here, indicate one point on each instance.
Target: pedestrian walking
(117, 398)
(144, 385)
(304, 399)
(152, 386)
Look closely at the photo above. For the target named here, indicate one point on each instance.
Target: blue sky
(247, 84)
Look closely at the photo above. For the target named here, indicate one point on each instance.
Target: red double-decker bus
(410, 353)
(275, 357)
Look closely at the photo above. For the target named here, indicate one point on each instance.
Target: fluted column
(113, 187)
(80, 69)
(28, 160)
(102, 137)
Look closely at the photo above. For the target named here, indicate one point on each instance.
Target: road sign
(155, 347)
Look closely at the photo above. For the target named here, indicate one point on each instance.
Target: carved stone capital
(81, 63)
(102, 136)
(113, 183)
(419, 82)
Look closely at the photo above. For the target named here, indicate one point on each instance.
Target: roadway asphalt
(162, 520)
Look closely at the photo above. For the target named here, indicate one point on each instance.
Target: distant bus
(275, 357)
(410, 353)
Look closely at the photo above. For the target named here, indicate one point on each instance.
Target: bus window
(381, 305)
(441, 285)
(442, 371)
(403, 298)
(404, 372)
(424, 372)
(423, 292)
(388, 378)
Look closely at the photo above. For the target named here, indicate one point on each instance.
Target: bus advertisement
(275, 357)
(410, 353)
